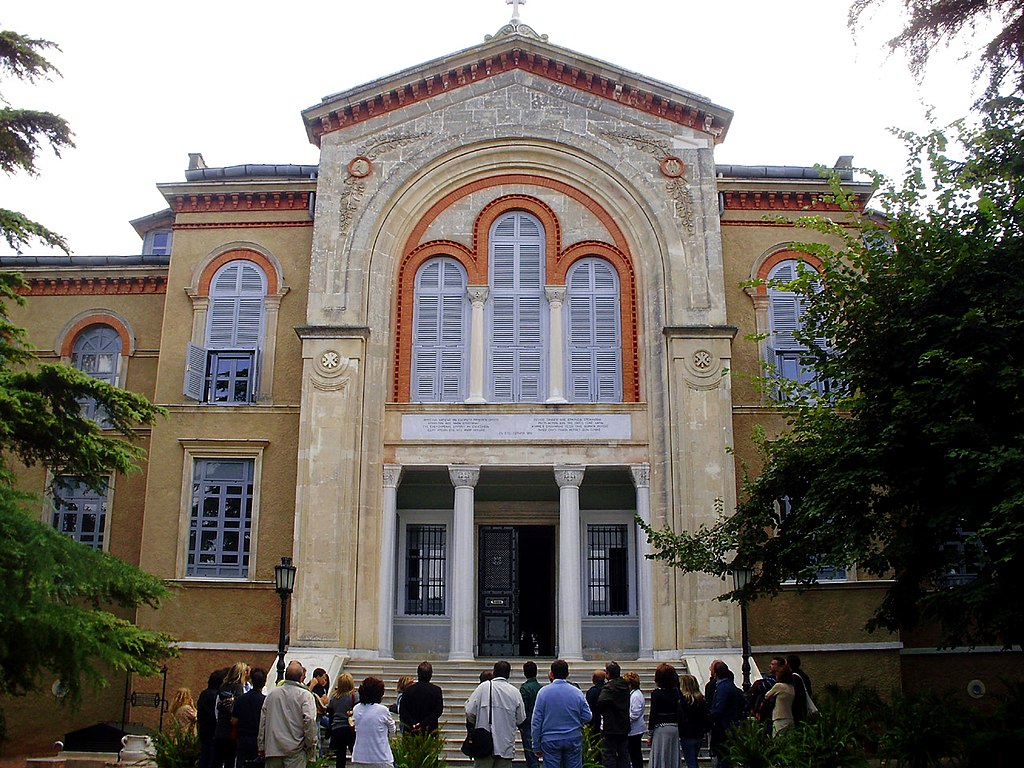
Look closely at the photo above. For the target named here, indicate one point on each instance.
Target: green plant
(921, 732)
(750, 745)
(834, 740)
(591, 748)
(177, 747)
(419, 750)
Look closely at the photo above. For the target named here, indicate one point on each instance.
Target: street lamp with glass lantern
(741, 576)
(284, 583)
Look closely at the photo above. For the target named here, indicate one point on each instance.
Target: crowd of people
(240, 726)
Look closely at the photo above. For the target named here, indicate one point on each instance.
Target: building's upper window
(79, 511)
(425, 563)
(786, 354)
(157, 242)
(440, 324)
(220, 523)
(594, 349)
(517, 351)
(97, 352)
(226, 370)
(607, 570)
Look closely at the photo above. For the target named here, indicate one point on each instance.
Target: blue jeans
(690, 749)
(562, 753)
(531, 758)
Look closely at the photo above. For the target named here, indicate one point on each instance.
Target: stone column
(556, 344)
(644, 589)
(477, 297)
(389, 519)
(570, 592)
(462, 589)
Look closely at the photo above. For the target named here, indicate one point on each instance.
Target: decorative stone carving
(641, 475)
(351, 194)
(329, 368)
(360, 167)
(383, 144)
(569, 476)
(392, 475)
(648, 144)
(703, 369)
(555, 295)
(477, 294)
(516, 28)
(671, 167)
(463, 476)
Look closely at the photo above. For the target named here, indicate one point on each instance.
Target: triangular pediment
(516, 47)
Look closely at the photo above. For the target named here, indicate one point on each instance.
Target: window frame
(49, 511)
(594, 349)
(786, 359)
(199, 383)
(593, 519)
(421, 517)
(517, 296)
(218, 450)
(459, 349)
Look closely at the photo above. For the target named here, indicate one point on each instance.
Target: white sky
(146, 83)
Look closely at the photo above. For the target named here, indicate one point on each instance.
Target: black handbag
(479, 741)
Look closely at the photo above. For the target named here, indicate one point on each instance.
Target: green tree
(912, 465)
(931, 22)
(24, 132)
(56, 618)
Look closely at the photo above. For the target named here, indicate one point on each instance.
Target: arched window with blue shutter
(517, 353)
(593, 337)
(226, 369)
(97, 352)
(440, 332)
(785, 310)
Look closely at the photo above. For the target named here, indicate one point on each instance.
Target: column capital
(463, 475)
(555, 294)
(392, 475)
(569, 476)
(641, 475)
(477, 293)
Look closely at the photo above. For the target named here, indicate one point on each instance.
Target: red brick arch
(777, 258)
(244, 254)
(96, 318)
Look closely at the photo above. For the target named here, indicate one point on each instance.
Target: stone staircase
(458, 679)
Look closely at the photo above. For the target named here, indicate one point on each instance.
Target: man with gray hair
(288, 727)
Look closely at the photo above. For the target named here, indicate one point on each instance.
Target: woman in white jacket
(637, 723)
(374, 724)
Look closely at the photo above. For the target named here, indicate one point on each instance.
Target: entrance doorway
(517, 590)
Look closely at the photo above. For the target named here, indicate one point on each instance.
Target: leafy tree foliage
(60, 599)
(912, 465)
(930, 22)
(24, 132)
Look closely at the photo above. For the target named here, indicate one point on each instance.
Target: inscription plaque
(523, 426)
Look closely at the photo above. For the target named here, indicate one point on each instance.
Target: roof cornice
(506, 53)
(241, 195)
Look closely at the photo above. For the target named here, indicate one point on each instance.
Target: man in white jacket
(498, 706)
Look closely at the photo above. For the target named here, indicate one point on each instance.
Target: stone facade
(348, 466)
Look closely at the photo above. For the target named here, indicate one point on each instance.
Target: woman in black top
(693, 719)
(664, 720)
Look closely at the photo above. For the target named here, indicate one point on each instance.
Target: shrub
(419, 750)
(176, 747)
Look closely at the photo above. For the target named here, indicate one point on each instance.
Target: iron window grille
(425, 561)
(608, 570)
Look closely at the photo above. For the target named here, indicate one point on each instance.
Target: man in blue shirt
(559, 715)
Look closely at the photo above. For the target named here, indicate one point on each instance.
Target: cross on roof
(515, 8)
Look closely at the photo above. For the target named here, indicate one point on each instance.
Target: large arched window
(593, 341)
(440, 326)
(97, 352)
(517, 351)
(785, 308)
(226, 369)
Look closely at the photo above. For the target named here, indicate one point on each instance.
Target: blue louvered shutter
(237, 295)
(594, 337)
(785, 310)
(439, 332)
(518, 348)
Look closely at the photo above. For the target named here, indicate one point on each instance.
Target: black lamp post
(284, 583)
(741, 576)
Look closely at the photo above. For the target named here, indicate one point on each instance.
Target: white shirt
(637, 724)
(373, 726)
(501, 703)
